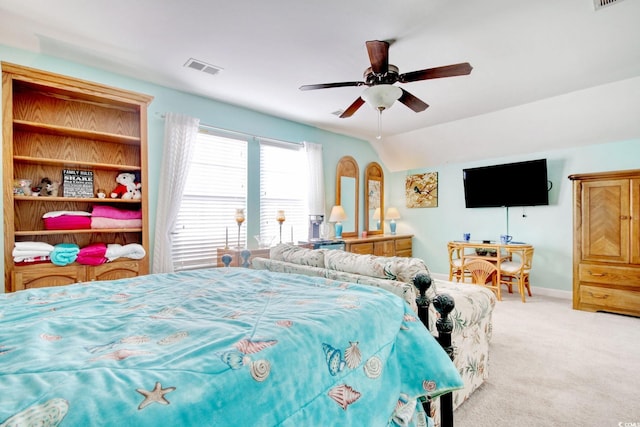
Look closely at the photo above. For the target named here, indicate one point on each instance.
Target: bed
(216, 347)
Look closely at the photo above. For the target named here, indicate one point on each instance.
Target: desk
(496, 252)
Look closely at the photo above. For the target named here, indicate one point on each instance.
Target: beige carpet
(550, 365)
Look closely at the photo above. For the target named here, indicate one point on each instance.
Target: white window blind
(283, 186)
(216, 187)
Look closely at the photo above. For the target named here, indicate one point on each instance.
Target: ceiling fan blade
(461, 69)
(352, 108)
(412, 102)
(330, 85)
(378, 56)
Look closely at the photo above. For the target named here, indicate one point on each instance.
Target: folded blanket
(67, 222)
(33, 246)
(115, 213)
(54, 214)
(101, 222)
(32, 260)
(93, 254)
(64, 253)
(24, 251)
(132, 250)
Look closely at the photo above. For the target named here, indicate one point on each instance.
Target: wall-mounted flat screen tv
(511, 184)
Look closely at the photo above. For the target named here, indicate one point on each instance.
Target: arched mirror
(374, 199)
(347, 180)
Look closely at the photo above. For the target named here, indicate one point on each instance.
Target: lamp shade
(392, 213)
(376, 214)
(337, 214)
(382, 96)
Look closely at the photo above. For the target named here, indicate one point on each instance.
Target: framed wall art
(422, 190)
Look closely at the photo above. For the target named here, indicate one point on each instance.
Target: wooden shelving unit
(53, 122)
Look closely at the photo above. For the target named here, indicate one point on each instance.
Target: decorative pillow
(405, 269)
(298, 255)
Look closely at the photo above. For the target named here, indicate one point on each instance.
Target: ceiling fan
(380, 78)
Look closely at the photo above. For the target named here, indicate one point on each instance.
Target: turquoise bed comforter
(216, 347)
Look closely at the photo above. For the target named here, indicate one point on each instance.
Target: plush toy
(48, 187)
(22, 187)
(128, 187)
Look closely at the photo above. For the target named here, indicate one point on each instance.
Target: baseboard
(555, 293)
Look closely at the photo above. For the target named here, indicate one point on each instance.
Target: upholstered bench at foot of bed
(472, 328)
(471, 315)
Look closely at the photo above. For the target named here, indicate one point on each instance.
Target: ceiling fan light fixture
(381, 96)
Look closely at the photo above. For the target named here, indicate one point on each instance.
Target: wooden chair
(455, 261)
(516, 271)
(484, 273)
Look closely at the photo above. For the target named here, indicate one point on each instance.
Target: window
(283, 186)
(216, 187)
(220, 181)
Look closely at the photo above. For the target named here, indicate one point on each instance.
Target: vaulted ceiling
(546, 74)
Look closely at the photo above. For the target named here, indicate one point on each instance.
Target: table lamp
(376, 216)
(338, 215)
(392, 215)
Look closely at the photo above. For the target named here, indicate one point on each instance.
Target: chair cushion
(511, 267)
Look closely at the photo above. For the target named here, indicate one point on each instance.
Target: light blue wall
(548, 228)
(210, 112)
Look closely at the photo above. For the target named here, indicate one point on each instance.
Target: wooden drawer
(609, 299)
(44, 275)
(361, 248)
(384, 248)
(628, 277)
(405, 253)
(404, 247)
(114, 270)
(404, 244)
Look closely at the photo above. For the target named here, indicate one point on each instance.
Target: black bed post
(423, 282)
(443, 304)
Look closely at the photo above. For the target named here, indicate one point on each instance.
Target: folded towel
(64, 253)
(101, 222)
(132, 250)
(67, 222)
(115, 213)
(93, 254)
(54, 214)
(24, 251)
(33, 246)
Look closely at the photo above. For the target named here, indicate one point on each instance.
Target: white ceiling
(546, 73)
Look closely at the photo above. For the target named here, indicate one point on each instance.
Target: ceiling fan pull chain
(379, 125)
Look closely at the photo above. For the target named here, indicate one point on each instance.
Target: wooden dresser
(381, 245)
(606, 255)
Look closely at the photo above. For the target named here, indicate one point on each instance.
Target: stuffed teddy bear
(127, 187)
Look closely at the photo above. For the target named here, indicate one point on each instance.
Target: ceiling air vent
(599, 4)
(202, 66)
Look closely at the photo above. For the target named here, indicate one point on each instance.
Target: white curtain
(316, 178)
(180, 135)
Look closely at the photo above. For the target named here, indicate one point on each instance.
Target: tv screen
(511, 184)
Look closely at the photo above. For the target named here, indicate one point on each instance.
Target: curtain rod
(241, 134)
